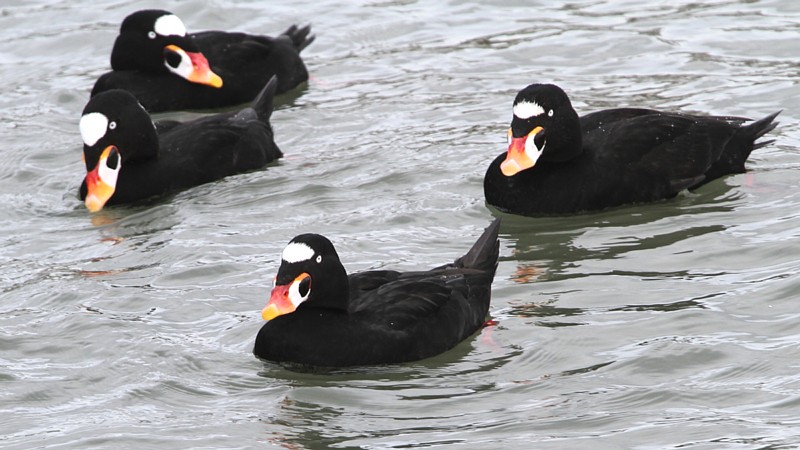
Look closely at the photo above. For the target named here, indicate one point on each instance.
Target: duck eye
(112, 125)
(319, 259)
(304, 287)
(550, 113)
(151, 34)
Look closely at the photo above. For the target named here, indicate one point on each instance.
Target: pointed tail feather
(761, 127)
(263, 101)
(740, 146)
(300, 37)
(484, 253)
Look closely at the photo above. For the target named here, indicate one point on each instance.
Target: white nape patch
(169, 25)
(526, 109)
(296, 252)
(93, 127)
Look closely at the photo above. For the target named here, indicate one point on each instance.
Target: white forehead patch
(296, 252)
(526, 109)
(169, 25)
(93, 127)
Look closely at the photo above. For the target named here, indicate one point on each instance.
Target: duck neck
(567, 141)
(146, 145)
(567, 150)
(334, 294)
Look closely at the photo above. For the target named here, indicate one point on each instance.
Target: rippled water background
(672, 325)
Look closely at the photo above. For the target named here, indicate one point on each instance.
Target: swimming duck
(320, 316)
(129, 157)
(168, 69)
(559, 163)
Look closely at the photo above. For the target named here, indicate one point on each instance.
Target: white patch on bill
(107, 174)
(531, 149)
(526, 109)
(93, 127)
(294, 294)
(185, 67)
(296, 252)
(169, 25)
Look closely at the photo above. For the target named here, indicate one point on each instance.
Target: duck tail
(742, 143)
(761, 127)
(484, 253)
(300, 37)
(263, 101)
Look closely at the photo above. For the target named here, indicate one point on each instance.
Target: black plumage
(169, 156)
(244, 62)
(611, 157)
(374, 317)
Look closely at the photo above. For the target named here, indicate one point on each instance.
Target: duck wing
(400, 304)
(221, 46)
(246, 62)
(405, 298)
(677, 149)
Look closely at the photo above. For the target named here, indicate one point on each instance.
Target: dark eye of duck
(550, 113)
(304, 287)
(151, 34)
(172, 58)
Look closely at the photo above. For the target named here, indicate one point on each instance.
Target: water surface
(671, 325)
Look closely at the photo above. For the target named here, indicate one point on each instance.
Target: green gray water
(673, 325)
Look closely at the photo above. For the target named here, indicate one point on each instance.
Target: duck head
(156, 41)
(544, 127)
(115, 129)
(310, 274)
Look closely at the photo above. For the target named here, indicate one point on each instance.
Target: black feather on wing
(675, 148)
(220, 47)
(403, 303)
(364, 282)
(162, 126)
